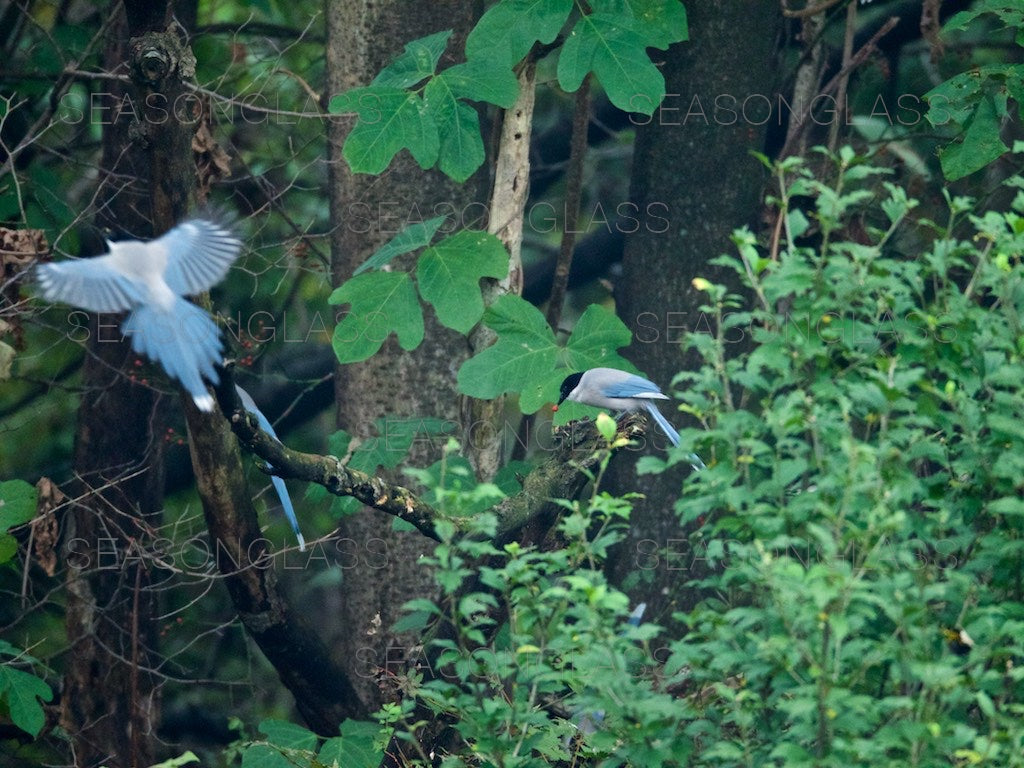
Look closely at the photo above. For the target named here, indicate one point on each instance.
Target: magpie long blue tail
(183, 340)
(282, 492)
(673, 436)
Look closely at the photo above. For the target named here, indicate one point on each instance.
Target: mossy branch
(578, 447)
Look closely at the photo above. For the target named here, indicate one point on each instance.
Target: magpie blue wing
(633, 386)
(91, 284)
(199, 254)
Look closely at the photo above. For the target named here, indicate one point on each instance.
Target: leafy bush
(544, 665)
(862, 517)
(865, 507)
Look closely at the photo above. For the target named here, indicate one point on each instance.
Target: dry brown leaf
(45, 531)
(212, 162)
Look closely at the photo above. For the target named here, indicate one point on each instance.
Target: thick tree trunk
(110, 698)
(694, 178)
(324, 696)
(366, 211)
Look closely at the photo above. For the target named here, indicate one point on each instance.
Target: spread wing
(199, 254)
(91, 284)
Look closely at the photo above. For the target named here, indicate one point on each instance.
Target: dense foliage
(860, 527)
(858, 536)
(856, 541)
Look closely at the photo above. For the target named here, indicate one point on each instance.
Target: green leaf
(616, 52)
(594, 341)
(1009, 13)
(798, 223)
(6, 649)
(509, 477)
(1010, 506)
(524, 354)
(576, 58)
(176, 762)
(8, 547)
(974, 103)
(606, 426)
(526, 359)
(480, 81)
(650, 465)
(422, 604)
(264, 756)
(381, 303)
(17, 503)
(458, 126)
(23, 691)
(281, 733)
(985, 704)
(449, 276)
(661, 22)
(409, 239)
(418, 61)
(981, 143)
(390, 120)
(953, 101)
(507, 31)
(411, 622)
(354, 748)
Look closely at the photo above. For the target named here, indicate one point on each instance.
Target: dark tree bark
(110, 699)
(323, 694)
(366, 211)
(694, 178)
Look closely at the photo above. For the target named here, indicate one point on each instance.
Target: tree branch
(557, 477)
(855, 61)
(324, 694)
(810, 10)
(573, 196)
(328, 471)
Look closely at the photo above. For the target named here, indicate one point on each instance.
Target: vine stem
(573, 196)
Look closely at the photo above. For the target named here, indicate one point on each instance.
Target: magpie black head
(568, 385)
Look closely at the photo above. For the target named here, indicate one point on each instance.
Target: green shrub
(865, 503)
(861, 517)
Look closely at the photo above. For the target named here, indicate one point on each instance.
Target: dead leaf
(45, 531)
(212, 162)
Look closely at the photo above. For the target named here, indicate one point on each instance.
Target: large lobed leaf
(449, 275)
(22, 692)
(382, 303)
(507, 31)
(390, 119)
(526, 359)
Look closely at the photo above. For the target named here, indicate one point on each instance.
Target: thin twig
(851, 25)
(811, 10)
(305, 86)
(573, 196)
(773, 253)
(858, 58)
(259, 28)
(60, 87)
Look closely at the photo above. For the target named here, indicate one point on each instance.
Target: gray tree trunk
(694, 178)
(366, 211)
